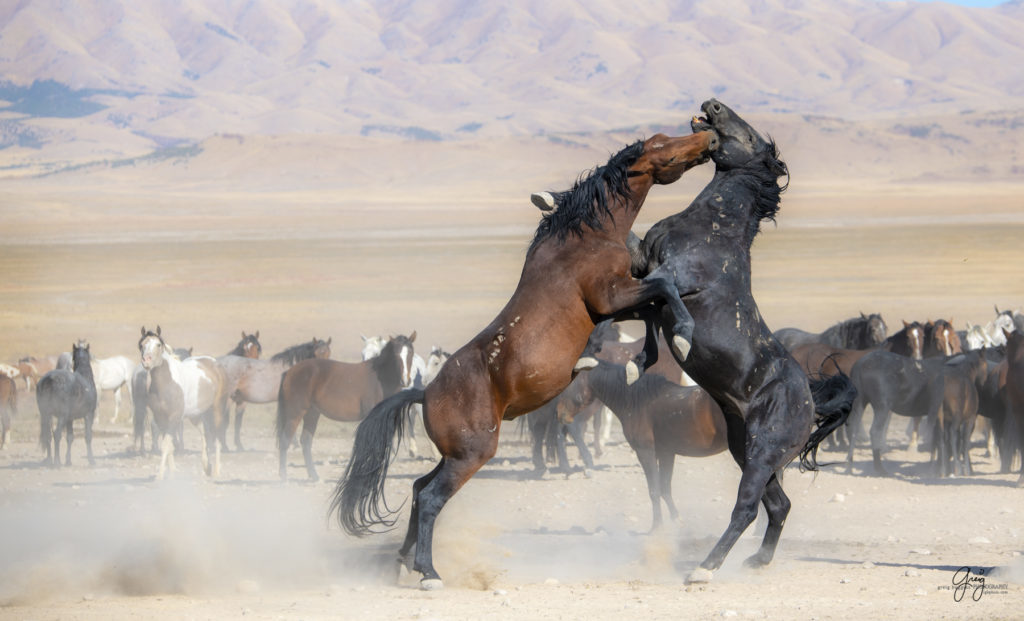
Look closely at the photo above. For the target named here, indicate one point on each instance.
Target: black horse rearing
(767, 400)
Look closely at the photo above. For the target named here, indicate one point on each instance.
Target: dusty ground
(109, 542)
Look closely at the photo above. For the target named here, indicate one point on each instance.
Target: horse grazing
(576, 271)
(660, 420)
(192, 389)
(8, 407)
(769, 406)
(62, 396)
(862, 332)
(250, 380)
(342, 391)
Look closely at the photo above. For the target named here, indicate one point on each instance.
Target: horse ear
(243, 334)
(329, 340)
(996, 306)
(412, 337)
(363, 337)
(905, 324)
(158, 330)
(143, 330)
(257, 335)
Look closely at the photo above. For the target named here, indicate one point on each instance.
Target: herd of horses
(554, 353)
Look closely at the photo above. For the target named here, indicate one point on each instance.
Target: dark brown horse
(660, 420)
(577, 271)
(1013, 399)
(8, 407)
(955, 406)
(342, 391)
(250, 380)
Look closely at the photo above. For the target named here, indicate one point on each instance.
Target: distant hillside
(99, 79)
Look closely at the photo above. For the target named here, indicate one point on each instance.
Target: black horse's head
(739, 143)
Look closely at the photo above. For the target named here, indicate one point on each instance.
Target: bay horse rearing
(576, 272)
(768, 401)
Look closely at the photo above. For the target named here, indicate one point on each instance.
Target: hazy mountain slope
(182, 70)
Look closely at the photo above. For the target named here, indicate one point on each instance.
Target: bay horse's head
(665, 158)
(739, 143)
(943, 338)
(576, 396)
(151, 348)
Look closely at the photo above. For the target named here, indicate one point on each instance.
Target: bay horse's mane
(760, 176)
(295, 353)
(590, 197)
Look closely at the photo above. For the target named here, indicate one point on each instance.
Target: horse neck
(608, 384)
(85, 370)
(388, 369)
(740, 219)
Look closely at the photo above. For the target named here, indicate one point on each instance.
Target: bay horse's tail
(833, 399)
(359, 496)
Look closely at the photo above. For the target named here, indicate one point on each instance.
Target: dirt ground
(110, 542)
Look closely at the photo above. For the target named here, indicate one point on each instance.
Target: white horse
(192, 388)
(991, 334)
(114, 373)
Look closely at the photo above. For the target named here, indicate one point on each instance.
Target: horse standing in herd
(64, 396)
(8, 407)
(342, 391)
(251, 380)
(577, 270)
(192, 389)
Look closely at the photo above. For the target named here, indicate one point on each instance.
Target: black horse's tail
(833, 398)
(359, 496)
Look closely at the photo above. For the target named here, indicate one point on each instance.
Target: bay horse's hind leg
(447, 478)
(309, 422)
(411, 533)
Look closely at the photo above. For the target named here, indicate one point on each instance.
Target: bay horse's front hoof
(431, 584)
(543, 201)
(699, 576)
(585, 363)
(682, 346)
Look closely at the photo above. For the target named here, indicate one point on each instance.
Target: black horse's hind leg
(777, 505)
(414, 512)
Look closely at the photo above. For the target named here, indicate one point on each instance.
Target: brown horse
(660, 420)
(828, 360)
(342, 391)
(8, 407)
(577, 272)
(955, 405)
(940, 339)
(1013, 399)
(193, 388)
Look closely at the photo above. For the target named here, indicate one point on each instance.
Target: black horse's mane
(855, 332)
(760, 176)
(296, 353)
(590, 198)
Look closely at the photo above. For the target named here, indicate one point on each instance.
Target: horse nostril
(716, 108)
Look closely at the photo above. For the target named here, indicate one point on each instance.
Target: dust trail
(182, 536)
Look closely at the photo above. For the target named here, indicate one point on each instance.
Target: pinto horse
(64, 395)
(342, 391)
(193, 388)
(250, 380)
(766, 397)
(577, 271)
